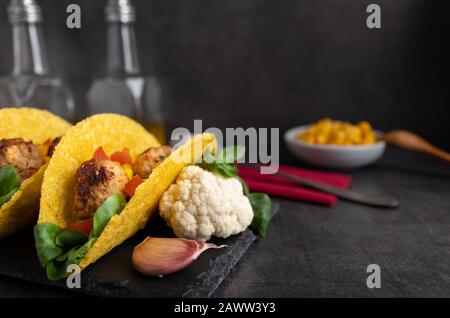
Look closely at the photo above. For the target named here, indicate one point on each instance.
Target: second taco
(28, 137)
(101, 186)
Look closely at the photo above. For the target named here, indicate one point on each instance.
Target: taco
(102, 185)
(28, 137)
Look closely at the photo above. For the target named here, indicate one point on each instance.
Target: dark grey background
(283, 63)
(269, 63)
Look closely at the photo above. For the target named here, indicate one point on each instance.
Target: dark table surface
(315, 251)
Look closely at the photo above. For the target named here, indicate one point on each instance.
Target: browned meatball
(149, 159)
(95, 181)
(23, 155)
(53, 145)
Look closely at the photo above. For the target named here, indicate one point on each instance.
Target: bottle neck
(122, 58)
(30, 55)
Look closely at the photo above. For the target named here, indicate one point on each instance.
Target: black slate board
(113, 275)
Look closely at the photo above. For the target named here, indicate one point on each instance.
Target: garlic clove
(157, 256)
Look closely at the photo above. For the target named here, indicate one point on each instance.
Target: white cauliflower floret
(202, 204)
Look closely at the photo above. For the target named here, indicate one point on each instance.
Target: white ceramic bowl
(333, 156)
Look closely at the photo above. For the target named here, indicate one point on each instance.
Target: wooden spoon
(409, 140)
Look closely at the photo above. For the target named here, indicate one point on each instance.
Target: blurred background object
(124, 89)
(333, 156)
(31, 83)
(264, 63)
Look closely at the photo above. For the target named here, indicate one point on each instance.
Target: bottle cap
(121, 11)
(24, 11)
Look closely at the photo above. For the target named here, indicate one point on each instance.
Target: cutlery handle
(382, 201)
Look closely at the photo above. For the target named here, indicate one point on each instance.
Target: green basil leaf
(223, 164)
(9, 179)
(112, 206)
(77, 254)
(227, 170)
(63, 257)
(5, 198)
(231, 154)
(9, 183)
(44, 236)
(57, 269)
(244, 187)
(231, 170)
(68, 238)
(262, 209)
(206, 166)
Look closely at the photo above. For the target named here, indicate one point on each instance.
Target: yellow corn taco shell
(112, 132)
(32, 125)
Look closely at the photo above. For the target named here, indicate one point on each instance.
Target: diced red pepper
(84, 226)
(122, 157)
(100, 154)
(130, 187)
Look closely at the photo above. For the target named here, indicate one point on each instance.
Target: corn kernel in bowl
(329, 132)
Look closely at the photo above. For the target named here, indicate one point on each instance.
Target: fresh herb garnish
(9, 183)
(224, 164)
(69, 238)
(262, 210)
(112, 206)
(57, 248)
(44, 236)
(231, 154)
(244, 187)
(58, 268)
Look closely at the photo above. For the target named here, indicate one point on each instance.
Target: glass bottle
(124, 89)
(31, 83)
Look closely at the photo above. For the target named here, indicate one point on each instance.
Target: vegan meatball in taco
(102, 185)
(27, 139)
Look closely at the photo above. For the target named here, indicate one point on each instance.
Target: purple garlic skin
(157, 256)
